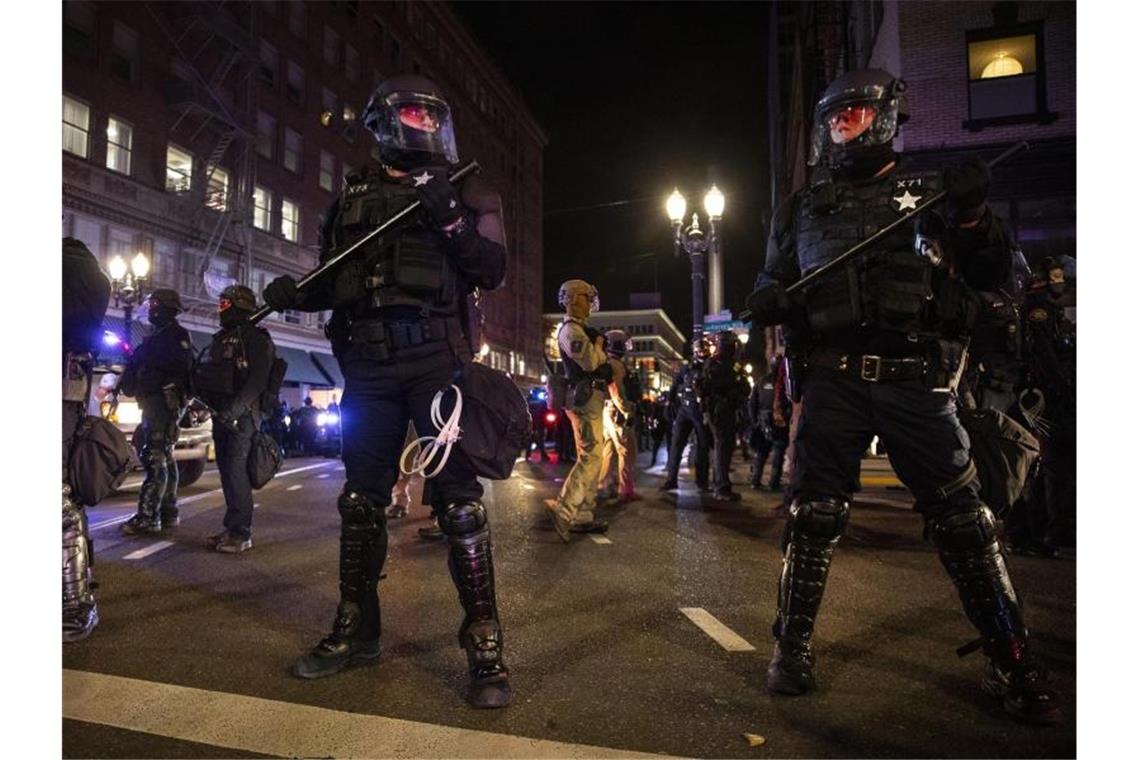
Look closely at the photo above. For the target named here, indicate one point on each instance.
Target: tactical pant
(724, 443)
(232, 448)
(579, 494)
(689, 420)
(620, 445)
(929, 450)
(382, 393)
(772, 441)
(79, 612)
(159, 493)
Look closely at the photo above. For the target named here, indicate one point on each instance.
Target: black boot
(355, 638)
(810, 536)
(80, 613)
(340, 649)
(473, 572)
(147, 521)
(968, 547)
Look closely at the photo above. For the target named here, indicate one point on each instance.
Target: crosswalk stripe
(272, 727)
(146, 551)
(296, 487)
(716, 630)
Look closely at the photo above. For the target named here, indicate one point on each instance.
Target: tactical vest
(150, 374)
(572, 368)
(890, 288)
(223, 370)
(405, 267)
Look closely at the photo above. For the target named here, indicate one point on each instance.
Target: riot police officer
(232, 378)
(688, 418)
(588, 372)
(878, 347)
(86, 292)
(726, 391)
(397, 334)
(158, 376)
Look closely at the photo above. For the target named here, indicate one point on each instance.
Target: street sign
(734, 325)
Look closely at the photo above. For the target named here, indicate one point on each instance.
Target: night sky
(637, 98)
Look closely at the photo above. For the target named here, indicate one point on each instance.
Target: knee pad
(818, 518)
(153, 456)
(463, 518)
(970, 529)
(357, 510)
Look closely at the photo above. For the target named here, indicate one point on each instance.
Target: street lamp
(693, 242)
(128, 285)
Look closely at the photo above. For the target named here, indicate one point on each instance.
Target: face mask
(160, 316)
(232, 317)
(1057, 288)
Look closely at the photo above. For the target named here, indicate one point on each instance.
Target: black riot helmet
(856, 119)
(412, 122)
(236, 304)
(726, 343)
(162, 306)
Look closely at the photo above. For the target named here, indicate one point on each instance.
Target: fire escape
(211, 91)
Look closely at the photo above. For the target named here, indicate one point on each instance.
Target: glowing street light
(693, 242)
(128, 284)
(714, 203)
(675, 207)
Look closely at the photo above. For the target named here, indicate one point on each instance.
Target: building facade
(213, 137)
(657, 343)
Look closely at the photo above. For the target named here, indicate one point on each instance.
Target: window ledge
(1043, 117)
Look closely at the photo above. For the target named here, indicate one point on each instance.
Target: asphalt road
(606, 640)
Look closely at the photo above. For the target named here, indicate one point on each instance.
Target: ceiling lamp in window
(1004, 65)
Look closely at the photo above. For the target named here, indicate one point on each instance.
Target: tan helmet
(618, 343)
(572, 288)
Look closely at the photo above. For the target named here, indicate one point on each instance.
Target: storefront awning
(328, 365)
(301, 368)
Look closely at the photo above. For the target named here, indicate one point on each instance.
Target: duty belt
(402, 334)
(873, 369)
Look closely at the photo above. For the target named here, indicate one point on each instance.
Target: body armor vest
(407, 266)
(225, 368)
(573, 369)
(890, 288)
(687, 392)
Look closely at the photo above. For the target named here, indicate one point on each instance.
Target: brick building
(213, 137)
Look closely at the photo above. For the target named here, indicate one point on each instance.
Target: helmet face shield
(413, 122)
(861, 109)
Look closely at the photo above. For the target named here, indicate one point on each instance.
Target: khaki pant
(622, 442)
(580, 491)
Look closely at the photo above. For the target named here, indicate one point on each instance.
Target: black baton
(399, 216)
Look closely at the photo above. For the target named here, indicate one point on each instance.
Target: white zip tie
(449, 433)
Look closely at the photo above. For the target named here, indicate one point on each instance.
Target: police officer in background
(588, 372)
(769, 430)
(231, 378)
(86, 293)
(158, 376)
(397, 334)
(619, 425)
(726, 392)
(879, 347)
(688, 418)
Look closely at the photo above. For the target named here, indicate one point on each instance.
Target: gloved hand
(281, 294)
(967, 184)
(440, 201)
(228, 417)
(769, 305)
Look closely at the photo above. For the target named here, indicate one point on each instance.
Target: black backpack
(495, 422)
(265, 458)
(99, 461)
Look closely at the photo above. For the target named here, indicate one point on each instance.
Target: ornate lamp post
(128, 286)
(693, 242)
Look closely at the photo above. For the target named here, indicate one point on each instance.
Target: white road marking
(146, 551)
(272, 727)
(717, 631)
(323, 475)
(600, 539)
(297, 487)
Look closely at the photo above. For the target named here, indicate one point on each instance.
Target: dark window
(267, 64)
(79, 29)
(1006, 76)
(377, 35)
(332, 46)
(125, 53)
(297, 18)
(266, 135)
(351, 63)
(295, 83)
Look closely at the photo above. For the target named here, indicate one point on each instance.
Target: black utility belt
(401, 334)
(869, 367)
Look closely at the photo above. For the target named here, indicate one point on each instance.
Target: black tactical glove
(967, 184)
(281, 294)
(769, 305)
(440, 201)
(228, 417)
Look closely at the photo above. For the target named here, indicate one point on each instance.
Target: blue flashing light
(110, 339)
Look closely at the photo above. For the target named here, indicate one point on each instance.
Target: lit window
(328, 165)
(217, 187)
(179, 169)
(292, 151)
(1006, 76)
(76, 123)
(266, 134)
(262, 200)
(290, 219)
(119, 146)
(295, 83)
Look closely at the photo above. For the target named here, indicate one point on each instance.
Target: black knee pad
(818, 518)
(968, 529)
(357, 509)
(463, 518)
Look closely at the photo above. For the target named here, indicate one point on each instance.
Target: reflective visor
(224, 303)
(419, 116)
(848, 122)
